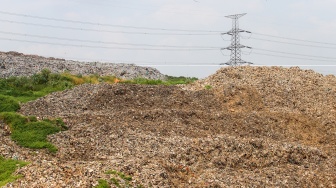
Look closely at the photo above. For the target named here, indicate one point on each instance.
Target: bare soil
(256, 127)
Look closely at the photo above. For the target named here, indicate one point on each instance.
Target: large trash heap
(243, 126)
(18, 64)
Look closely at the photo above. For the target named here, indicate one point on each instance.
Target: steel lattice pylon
(235, 57)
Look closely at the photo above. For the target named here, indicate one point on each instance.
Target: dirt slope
(269, 127)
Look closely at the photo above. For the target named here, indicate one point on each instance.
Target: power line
(105, 61)
(104, 47)
(103, 31)
(182, 48)
(292, 43)
(174, 10)
(102, 42)
(104, 24)
(135, 27)
(288, 53)
(290, 57)
(287, 38)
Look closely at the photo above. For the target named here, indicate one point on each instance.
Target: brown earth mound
(267, 127)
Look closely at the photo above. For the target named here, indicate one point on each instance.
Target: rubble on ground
(18, 64)
(254, 127)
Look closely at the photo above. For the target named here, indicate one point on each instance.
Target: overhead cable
(291, 57)
(102, 42)
(106, 47)
(289, 53)
(292, 43)
(287, 38)
(103, 31)
(104, 24)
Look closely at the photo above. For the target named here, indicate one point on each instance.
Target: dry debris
(18, 64)
(256, 127)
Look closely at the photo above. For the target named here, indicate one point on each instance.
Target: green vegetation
(102, 184)
(14, 90)
(181, 80)
(120, 174)
(7, 168)
(8, 104)
(117, 179)
(171, 80)
(143, 81)
(208, 87)
(92, 79)
(30, 133)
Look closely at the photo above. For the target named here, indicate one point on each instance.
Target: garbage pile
(278, 89)
(243, 126)
(18, 64)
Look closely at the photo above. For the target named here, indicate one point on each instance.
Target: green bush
(7, 168)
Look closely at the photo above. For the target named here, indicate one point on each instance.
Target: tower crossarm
(234, 47)
(232, 32)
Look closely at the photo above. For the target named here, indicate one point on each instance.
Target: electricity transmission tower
(235, 47)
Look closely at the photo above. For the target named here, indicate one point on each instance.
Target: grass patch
(180, 80)
(143, 81)
(7, 168)
(111, 172)
(8, 104)
(117, 179)
(171, 80)
(92, 79)
(30, 133)
(102, 184)
(208, 87)
(22, 89)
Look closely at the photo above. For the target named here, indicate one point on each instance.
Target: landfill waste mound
(18, 64)
(241, 127)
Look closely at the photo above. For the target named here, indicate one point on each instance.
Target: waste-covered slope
(256, 127)
(18, 64)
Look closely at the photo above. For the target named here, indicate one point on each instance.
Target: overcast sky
(179, 37)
